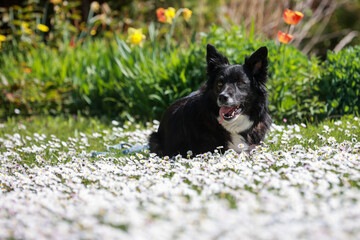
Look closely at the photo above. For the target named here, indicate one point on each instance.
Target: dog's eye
(219, 84)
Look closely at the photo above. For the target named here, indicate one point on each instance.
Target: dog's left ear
(257, 64)
(214, 59)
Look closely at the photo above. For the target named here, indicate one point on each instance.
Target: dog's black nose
(223, 98)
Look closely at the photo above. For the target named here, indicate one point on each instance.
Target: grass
(63, 130)
(100, 133)
(311, 135)
(303, 182)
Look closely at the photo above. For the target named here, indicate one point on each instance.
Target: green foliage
(339, 83)
(151, 78)
(110, 78)
(97, 78)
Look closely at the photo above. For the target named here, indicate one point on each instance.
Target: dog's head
(236, 87)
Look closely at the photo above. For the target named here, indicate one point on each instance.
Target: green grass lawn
(303, 182)
(99, 134)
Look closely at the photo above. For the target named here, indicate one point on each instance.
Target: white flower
(286, 190)
(116, 123)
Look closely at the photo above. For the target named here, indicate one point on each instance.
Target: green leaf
(182, 76)
(334, 103)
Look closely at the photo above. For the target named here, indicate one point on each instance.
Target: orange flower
(72, 42)
(292, 17)
(27, 70)
(165, 15)
(160, 13)
(55, 2)
(284, 37)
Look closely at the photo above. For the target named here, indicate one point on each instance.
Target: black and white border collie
(230, 109)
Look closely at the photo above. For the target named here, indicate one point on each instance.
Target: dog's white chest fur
(234, 127)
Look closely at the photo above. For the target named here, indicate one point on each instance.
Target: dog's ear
(257, 64)
(214, 59)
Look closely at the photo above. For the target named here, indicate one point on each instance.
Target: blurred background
(76, 57)
(330, 22)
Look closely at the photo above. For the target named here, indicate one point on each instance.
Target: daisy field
(301, 183)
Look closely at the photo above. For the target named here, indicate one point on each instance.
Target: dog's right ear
(257, 64)
(214, 59)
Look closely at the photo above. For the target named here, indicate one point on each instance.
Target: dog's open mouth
(229, 113)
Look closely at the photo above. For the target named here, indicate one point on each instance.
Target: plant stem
(170, 33)
(85, 33)
(43, 21)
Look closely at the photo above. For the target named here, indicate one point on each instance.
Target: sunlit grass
(58, 134)
(311, 135)
(303, 181)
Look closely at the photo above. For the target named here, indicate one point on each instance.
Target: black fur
(191, 123)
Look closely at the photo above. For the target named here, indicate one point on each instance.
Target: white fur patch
(234, 127)
(237, 143)
(238, 124)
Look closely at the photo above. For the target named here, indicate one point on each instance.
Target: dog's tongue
(224, 110)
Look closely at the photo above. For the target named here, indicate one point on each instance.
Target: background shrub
(339, 83)
(98, 78)
(101, 77)
(110, 78)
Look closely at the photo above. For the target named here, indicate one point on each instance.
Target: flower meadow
(302, 183)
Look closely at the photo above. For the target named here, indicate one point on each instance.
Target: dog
(230, 109)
